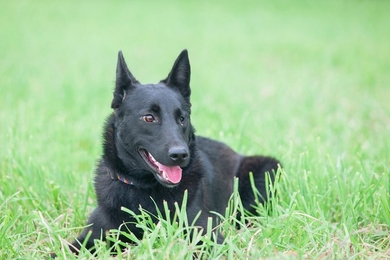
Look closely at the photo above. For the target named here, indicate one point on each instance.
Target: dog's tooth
(164, 175)
(152, 158)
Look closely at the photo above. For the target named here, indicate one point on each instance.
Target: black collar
(116, 177)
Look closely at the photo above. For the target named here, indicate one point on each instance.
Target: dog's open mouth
(168, 175)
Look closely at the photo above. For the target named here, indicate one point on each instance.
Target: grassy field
(305, 81)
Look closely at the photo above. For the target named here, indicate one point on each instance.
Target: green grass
(305, 81)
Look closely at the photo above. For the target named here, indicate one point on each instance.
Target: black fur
(154, 119)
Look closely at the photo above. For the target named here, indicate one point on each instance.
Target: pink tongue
(173, 173)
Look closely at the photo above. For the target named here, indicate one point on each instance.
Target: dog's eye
(182, 120)
(149, 118)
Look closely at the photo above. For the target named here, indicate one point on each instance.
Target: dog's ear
(124, 80)
(179, 77)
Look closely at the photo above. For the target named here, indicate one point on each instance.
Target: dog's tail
(264, 171)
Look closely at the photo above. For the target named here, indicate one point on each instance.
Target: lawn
(305, 81)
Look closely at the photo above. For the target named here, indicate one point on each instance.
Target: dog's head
(152, 125)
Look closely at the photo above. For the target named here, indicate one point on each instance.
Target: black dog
(151, 155)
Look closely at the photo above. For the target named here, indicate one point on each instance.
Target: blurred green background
(304, 81)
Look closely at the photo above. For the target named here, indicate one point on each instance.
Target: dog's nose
(178, 154)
